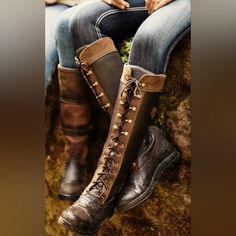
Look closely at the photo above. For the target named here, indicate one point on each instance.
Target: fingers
(148, 4)
(161, 4)
(117, 3)
(152, 4)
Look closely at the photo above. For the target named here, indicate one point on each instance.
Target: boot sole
(75, 229)
(167, 162)
(65, 197)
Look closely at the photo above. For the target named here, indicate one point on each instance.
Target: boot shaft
(75, 112)
(138, 89)
(101, 66)
(72, 86)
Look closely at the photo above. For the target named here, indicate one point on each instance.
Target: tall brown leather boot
(75, 117)
(156, 153)
(101, 66)
(137, 91)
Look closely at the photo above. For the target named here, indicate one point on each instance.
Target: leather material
(82, 217)
(76, 145)
(101, 66)
(73, 88)
(75, 117)
(97, 50)
(109, 78)
(74, 179)
(128, 125)
(153, 159)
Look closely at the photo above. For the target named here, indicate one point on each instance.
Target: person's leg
(64, 40)
(51, 57)
(151, 48)
(98, 19)
(75, 112)
(158, 34)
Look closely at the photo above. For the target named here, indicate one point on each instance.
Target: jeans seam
(172, 47)
(110, 12)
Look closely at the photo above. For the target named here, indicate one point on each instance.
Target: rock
(167, 211)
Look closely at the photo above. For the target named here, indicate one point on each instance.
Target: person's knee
(143, 38)
(150, 39)
(81, 20)
(62, 24)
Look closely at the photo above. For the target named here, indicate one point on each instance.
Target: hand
(117, 3)
(153, 5)
(50, 1)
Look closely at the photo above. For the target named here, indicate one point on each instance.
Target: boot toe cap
(67, 218)
(126, 198)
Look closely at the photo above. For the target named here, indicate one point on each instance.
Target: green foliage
(124, 48)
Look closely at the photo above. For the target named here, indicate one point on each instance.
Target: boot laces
(132, 90)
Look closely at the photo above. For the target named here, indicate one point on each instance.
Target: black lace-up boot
(138, 90)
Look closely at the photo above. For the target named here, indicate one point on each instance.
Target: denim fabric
(155, 34)
(51, 57)
(158, 34)
(64, 38)
(98, 19)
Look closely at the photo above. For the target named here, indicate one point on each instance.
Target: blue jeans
(64, 39)
(51, 57)
(155, 35)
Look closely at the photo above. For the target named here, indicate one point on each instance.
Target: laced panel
(130, 91)
(84, 68)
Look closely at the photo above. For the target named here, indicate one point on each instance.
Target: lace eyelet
(107, 105)
(115, 127)
(121, 145)
(121, 102)
(118, 154)
(95, 84)
(100, 95)
(133, 108)
(89, 73)
(127, 77)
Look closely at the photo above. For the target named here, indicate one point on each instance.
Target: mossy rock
(167, 211)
